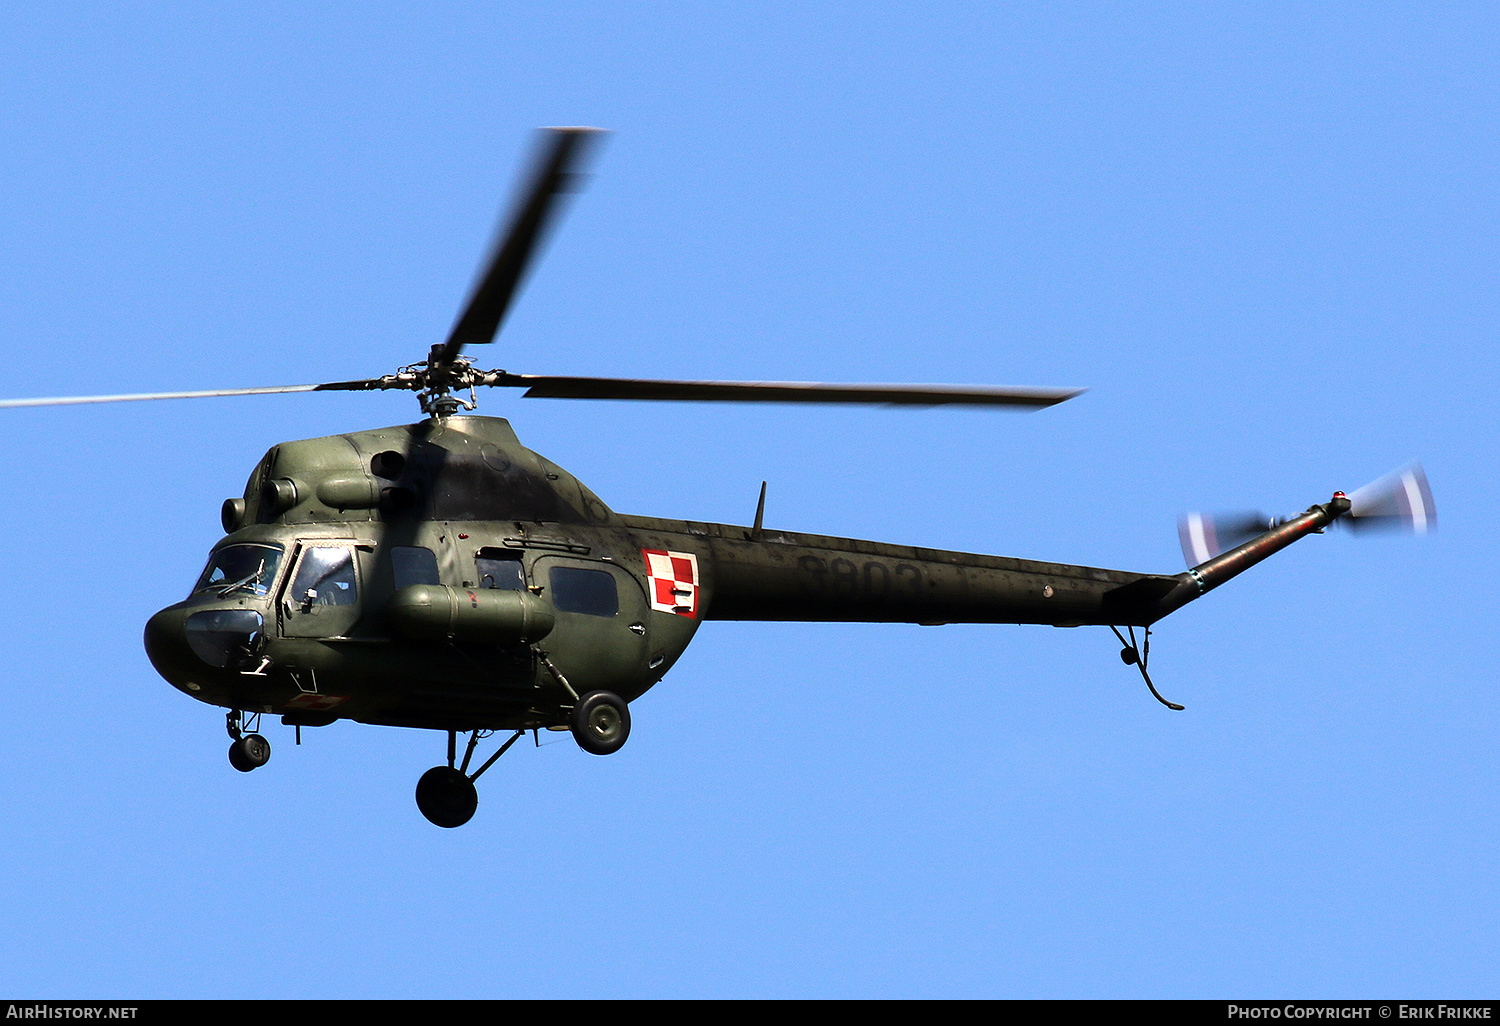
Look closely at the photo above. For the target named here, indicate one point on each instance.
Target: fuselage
(443, 575)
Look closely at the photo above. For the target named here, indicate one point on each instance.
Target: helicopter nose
(166, 644)
(179, 642)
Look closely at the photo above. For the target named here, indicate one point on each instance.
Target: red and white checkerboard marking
(319, 703)
(673, 581)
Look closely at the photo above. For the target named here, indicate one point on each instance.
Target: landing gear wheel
(600, 722)
(248, 752)
(446, 797)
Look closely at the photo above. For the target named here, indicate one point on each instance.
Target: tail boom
(763, 575)
(1205, 577)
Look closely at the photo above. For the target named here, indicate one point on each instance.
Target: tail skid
(1132, 655)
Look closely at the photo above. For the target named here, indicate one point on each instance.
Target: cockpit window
(240, 568)
(325, 577)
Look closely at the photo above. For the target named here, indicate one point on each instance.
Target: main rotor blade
(557, 170)
(78, 400)
(541, 386)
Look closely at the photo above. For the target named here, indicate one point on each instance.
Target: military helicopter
(441, 575)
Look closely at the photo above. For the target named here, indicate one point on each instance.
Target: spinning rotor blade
(1400, 501)
(560, 156)
(1206, 535)
(78, 400)
(557, 170)
(540, 386)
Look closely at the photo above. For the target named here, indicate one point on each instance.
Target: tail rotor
(1400, 501)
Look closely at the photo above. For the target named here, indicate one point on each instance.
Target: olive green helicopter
(441, 575)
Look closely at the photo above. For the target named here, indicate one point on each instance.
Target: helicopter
(442, 576)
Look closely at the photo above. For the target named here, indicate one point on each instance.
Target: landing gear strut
(600, 720)
(446, 795)
(248, 750)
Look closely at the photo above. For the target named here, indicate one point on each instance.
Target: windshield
(240, 568)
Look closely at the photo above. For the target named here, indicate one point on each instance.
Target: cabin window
(576, 590)
(240, 568)
(500, 570)
(413, 564)
(329, 574)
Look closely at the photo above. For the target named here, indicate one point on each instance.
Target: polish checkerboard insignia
(673, 580)
(317, 703)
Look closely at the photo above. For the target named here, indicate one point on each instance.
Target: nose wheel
(249, 750)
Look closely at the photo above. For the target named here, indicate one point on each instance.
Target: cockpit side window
(328, 573)
(500, 569)
(235, 569)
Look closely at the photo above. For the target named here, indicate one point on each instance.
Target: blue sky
(1263, 236)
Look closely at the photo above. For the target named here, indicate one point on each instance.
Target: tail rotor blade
(1401, 501)
(1206, 535)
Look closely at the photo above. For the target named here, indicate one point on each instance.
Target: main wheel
(446, 797)
(601, 722)
(248, 752)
